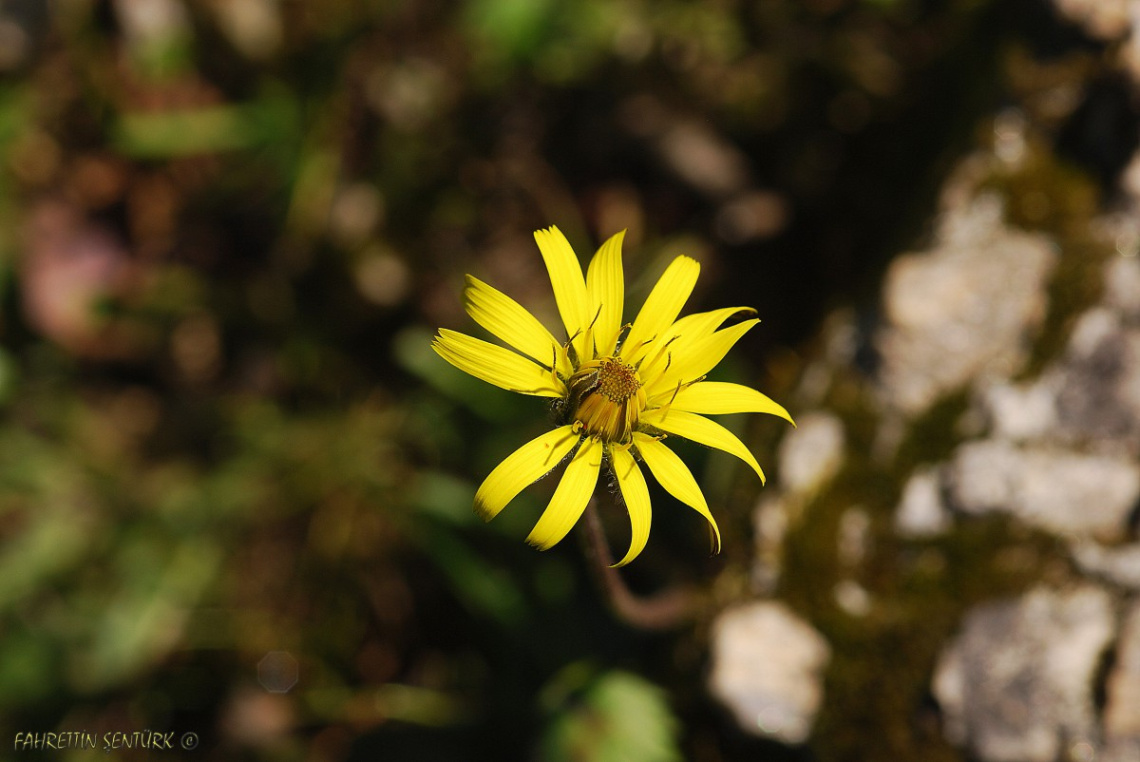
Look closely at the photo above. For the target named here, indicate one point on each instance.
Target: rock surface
(767, 666)
(1017, 683)
(1122, 705)
(1020, 412)
(1122, 287)
(1098, 384)
(809, 457)
(811, 453)
(963, 310)
(1062, 492)
(922, 511)
(1104, 19)
(1117, 565)
(1053, 443)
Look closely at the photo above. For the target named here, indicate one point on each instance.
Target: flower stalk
(664, 611)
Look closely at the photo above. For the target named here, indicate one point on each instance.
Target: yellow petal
(689, 363)
(522, 467)
(716, 397)
(569, 285)
(672, 474)
(570, 497)
(661, 307)
(496, 365)
(701, 324)
(702, 431)
(636, 497)
(680, 338)
(605, 285)
(511, 322)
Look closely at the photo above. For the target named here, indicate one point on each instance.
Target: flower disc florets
(606, 398)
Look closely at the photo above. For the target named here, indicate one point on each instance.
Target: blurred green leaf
(145, 619)
(15, 113)
(190, 131)
(29, 667)
(445, 497)
(206, 129)
(9, 373)
(484, 589)
(54, 542)
(515, 27)
(612, 717)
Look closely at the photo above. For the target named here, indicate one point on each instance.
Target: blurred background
(235, 482)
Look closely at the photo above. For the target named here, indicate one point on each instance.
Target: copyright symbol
(189, 741)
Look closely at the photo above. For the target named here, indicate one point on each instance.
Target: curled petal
(672, 474)
(716, 398)
(497, 365)
(701, 324)
(522, 467)
(636, 497)
(700, 430)
(680, 337)
(570, 497)
(688, 363)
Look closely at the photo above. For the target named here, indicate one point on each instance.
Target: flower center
(606, 398)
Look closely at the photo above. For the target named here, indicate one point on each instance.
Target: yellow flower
(617, 398)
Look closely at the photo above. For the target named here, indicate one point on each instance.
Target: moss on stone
(1048, 195)
(877, 689)
(932, 436)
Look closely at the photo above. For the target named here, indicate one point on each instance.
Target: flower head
(618, 396)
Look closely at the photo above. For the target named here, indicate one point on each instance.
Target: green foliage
(607, 717)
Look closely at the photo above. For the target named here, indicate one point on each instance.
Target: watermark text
(81, 739)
